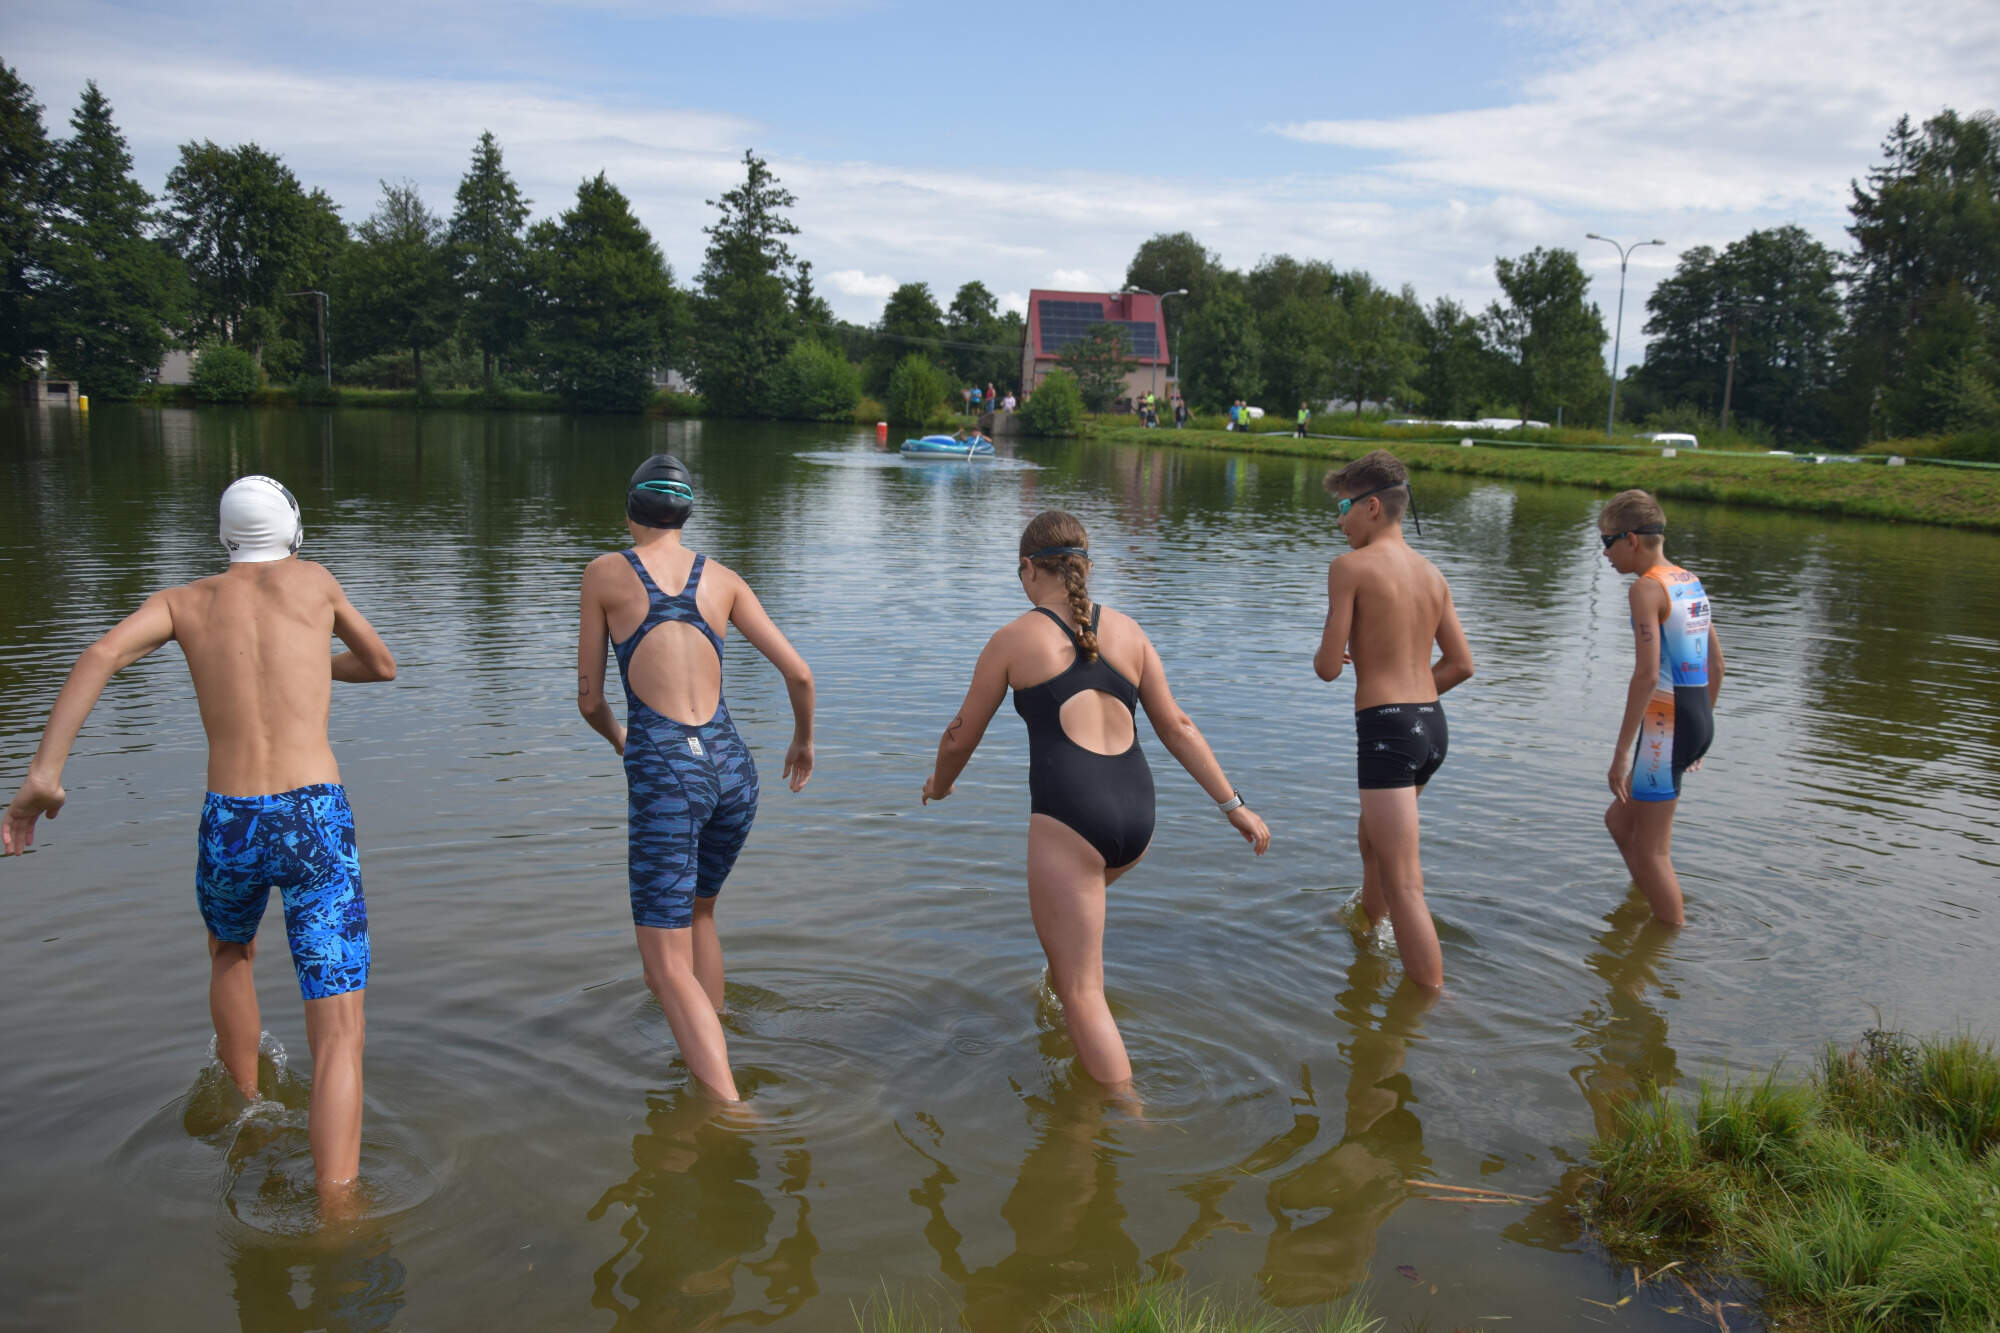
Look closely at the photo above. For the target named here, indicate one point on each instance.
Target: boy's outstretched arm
(366, 657)
(1332, 654)
(1649, 608)
(1454, 664)
(42, 793)
(748, 614)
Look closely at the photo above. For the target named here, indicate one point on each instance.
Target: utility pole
(1735, 313)
(1618, 330)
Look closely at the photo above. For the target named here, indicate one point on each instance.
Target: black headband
(1083, 551)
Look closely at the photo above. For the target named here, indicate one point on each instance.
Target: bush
(1055, 407)
(1979, 446)
(674, 403)
(867, 412)
(814, 382)
(314, 391)
(917, 390)
(224, 374)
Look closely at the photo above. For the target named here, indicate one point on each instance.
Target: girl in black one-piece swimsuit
(1097, 806)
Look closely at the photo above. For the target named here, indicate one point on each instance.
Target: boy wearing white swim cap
(256, 638)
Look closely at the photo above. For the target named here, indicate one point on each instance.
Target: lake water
(914, 1124)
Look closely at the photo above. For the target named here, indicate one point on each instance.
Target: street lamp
(1161, 297)
(326, 362)
(1624, 253)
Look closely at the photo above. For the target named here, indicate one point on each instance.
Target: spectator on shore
(1007, 405)
(1180, 412)
(975, 400)
(966, 395)
(992, 398)
(1305, 415)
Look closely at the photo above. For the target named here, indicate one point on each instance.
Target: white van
(1672, 439)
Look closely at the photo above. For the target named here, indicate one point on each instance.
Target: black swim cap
(661, 493)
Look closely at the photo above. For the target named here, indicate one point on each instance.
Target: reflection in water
(1625, 1041)
(1325, 1214)
(1068, 1225)
(344, 1279)
(694, 1215)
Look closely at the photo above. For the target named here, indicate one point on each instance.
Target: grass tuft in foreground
(1152, 1308)
(1867, 1197)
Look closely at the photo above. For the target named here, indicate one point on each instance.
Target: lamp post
(326, 362)
(1161, 297)
(1617, 332)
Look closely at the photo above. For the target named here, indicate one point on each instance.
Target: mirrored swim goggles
(1348, 502)
(1610, 539)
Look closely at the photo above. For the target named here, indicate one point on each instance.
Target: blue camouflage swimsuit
(300, 843)
(693, 789)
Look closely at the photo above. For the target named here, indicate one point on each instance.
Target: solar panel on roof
(1064, 323)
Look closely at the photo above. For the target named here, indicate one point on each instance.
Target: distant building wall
(176, 367)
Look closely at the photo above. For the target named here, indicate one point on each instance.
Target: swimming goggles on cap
(1083, 551)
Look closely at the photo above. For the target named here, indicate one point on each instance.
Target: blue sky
(1039, 144)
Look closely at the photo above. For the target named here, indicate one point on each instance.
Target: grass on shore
(1153, 1308)
(1866, 1197)
(1950, 497)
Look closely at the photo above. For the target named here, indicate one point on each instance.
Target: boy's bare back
(1400, 603)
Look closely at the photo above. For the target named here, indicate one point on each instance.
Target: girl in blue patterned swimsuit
(691, 782)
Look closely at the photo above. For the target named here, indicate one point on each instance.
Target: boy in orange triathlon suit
(1386, 606)
(1670, 704)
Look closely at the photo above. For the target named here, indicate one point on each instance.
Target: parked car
(1672, 439)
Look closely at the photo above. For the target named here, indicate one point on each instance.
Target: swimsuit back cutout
(1684, 633)
(660, 609)
(1066, 685)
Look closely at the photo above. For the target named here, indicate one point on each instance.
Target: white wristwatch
(1235, 799)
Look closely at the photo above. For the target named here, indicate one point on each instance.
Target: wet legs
(669, 959)
(232, 1006)
(1066, 882)
(1644, 832)
(1392, 880)
(336, 1030)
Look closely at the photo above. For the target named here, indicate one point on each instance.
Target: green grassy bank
(1149, 1309)
(1866, 1196)
(1961, 497)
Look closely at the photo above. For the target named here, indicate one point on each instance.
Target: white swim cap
(260, 520)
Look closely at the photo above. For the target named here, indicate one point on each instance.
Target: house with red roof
(1058, 319)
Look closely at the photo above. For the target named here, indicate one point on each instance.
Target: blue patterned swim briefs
(300, 843)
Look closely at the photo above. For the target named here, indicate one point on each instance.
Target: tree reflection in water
(694, 1215)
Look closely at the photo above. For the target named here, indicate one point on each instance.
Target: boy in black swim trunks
(1386, 606)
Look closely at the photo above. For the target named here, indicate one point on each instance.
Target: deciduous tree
(1100, 360)
(911, 321)
(239, 221)
(1550, 337)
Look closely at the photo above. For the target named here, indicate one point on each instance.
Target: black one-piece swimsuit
(1106, 798)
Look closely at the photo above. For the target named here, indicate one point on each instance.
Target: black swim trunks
(1400, 745)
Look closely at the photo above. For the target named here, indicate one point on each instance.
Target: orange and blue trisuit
(1679, 723)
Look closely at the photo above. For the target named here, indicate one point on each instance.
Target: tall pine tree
(745, 316)
(397, 288)
(114, 291)
(609, 311)
(24, 164)
(489, 256)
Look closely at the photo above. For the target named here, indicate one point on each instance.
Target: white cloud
(1073, 279)
(1013, 303)
(853, 282)
(1742, 107)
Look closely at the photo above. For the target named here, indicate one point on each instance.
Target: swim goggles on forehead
(1348, 502)
(1083, 551)
(1610, 539)
(675, 488)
